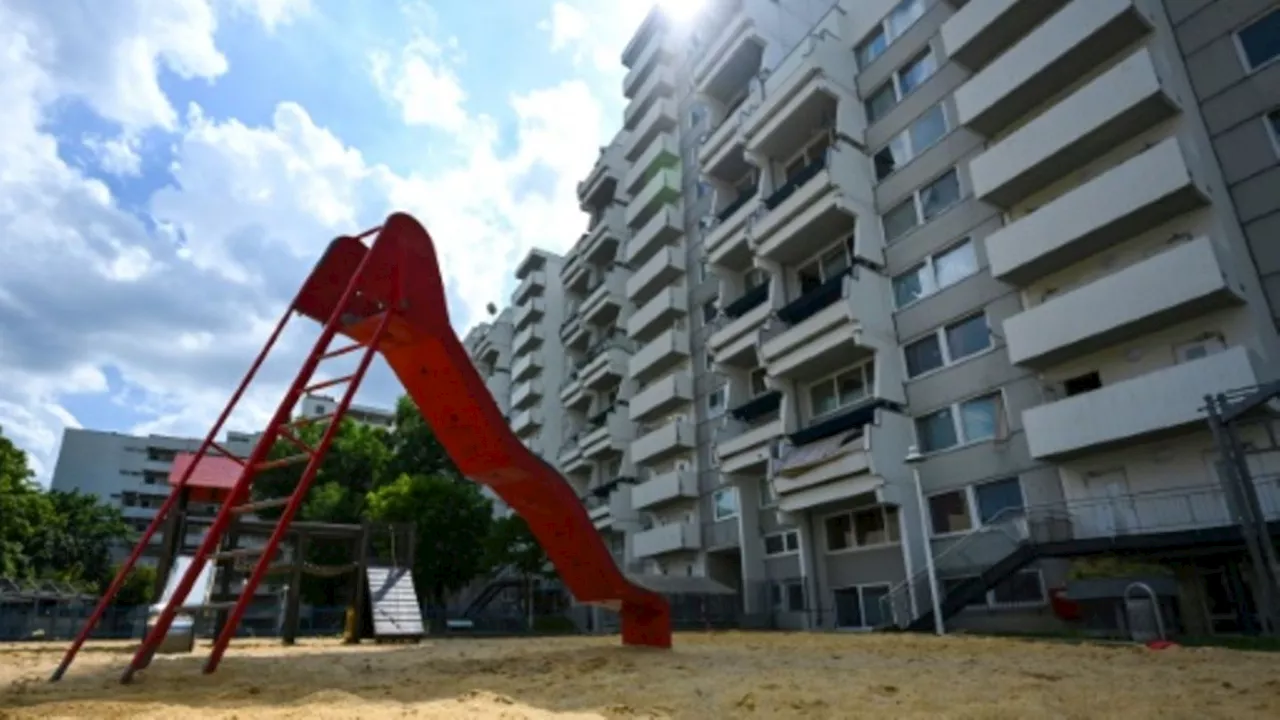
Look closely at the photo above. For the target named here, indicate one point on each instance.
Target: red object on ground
(213, 478)
(1161, 644)
(1064, 607)
(423, 351)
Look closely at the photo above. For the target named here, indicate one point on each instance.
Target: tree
(354, 465)
(138, 588)
(25, 513)
(415, 450)
(453, 523)
(512, 544)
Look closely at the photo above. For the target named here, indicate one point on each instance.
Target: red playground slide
(422, 349)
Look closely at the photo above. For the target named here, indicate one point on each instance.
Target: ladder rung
(341, 351)
(328, 383)
(225, 452)
(284, 461)
(257, 505)
(308, 420)
(234, 554)
(297, 442)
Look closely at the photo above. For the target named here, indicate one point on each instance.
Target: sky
(171, 169)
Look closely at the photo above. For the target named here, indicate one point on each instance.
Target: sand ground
(706, 676)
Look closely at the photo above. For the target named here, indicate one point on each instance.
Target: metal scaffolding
(1253, 412)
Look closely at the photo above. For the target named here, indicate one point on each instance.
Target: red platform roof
(213, 478)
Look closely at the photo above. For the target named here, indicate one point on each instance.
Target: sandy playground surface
(707, 676)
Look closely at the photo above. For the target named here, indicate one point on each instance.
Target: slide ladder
(388, 297)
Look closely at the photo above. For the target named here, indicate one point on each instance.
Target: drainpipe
(913, 459)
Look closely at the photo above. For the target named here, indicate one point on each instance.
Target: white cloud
(274, 13)
(567, 25)
(176, 306)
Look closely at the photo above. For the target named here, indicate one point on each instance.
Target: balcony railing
(747, 301)
(814, 301)
(795, 182)
(733, 207)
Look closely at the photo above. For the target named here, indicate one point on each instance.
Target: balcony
(604, 302)
(573, 393)
(662, 230)
(1133, 197)
(733, 340)
(573, 332)
(526, 421)
(720, 153)
(662, 117)
(726, 242)
(731, 58)
(666, 308)
(1179, 283)
(575, 275)
(530, 312)
(607, 434)
(659, 354)
(983, 29)
(660, 83)
(664, 268)
(570, 459)
(663, 153)
(658, 443)
(526, 394)
(830, 327)
(1065, 48)
(526, 366)
(600, 186)
(601, 243)
(801, 95)
(527, 340)
(656, 48)
(662, 396)
(819, 205)
(1114, 107)
(662, 189)
(1167, 510)
(499, 386)
(663, 539)
(1140, 409)
(842, 466)
(665, 488)
(533, 285)
(606, 366)
(746, 447)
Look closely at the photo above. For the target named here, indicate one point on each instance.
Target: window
(947, 345)
(935, 273)
(759, 386)
(724, 504)
(787, 596)
(922, 206)
(971, 421)
(949, 512)
(869, 527)
(840, 391)
(899, 19)
(999, 500)
(782, 543)
(904, 80)
(827, 265)
(1259, 41)
(861, 606)
(716, 401)
(920, 136)
(709, 310)
(767, 497)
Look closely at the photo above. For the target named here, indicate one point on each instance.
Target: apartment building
(323, 405)
(536, 363)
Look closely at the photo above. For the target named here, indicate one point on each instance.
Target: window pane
(999, 500)
(940, 195)
(893, 156)
(899, 220)
(869, 527)
(766, 492)
(850, 387)
(793, 541)
(1023, 588)
(773, 545)
(795, 597)
(980, 418)
(908, 287)
(848, 608)
(902, 16)
(923, 355)
(1261, 40)
(880, 102)
(871, 48)
(949, 512)
(955, 264)
(725, 503)
(914, 73)
(823, 398)
(839, 532)
(872, 608)
(936, 431)
(928, 129)
(968, 337)
(895, 525)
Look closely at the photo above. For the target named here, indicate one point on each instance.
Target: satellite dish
(493, 309)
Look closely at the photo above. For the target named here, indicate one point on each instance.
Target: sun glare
(681, 10)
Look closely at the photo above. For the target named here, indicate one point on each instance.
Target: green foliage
(414, 447)
(53, 535)
(1111, 566)
(512, 544)
(453, 520)
(138, 588)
